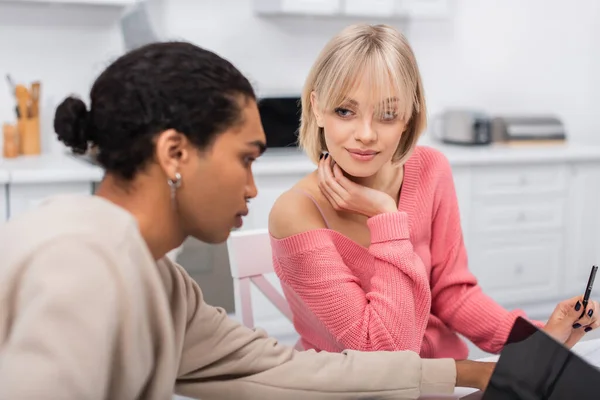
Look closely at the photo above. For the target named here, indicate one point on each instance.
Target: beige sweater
(87, 313)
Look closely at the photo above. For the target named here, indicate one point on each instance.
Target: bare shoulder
(295, 211)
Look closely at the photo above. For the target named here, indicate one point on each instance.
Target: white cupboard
(3, 200)
(388, 9)
(24, 196)
(583, 225)
(297, 7)
(28, 180)
(97, 3)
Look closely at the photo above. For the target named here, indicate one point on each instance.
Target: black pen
(588, 289)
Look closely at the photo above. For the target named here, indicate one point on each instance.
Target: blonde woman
(369, 247)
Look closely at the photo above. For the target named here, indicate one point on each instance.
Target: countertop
(4, 177)
(292, 161)
(48, 168)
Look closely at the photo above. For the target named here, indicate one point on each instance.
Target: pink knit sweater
(410, 290)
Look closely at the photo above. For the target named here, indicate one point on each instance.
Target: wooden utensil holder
(10, 144)
(29, 136)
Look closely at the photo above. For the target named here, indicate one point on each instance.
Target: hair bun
(71, 124)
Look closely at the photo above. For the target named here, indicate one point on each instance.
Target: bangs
(389, 81)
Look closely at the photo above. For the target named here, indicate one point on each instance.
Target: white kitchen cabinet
(369, 8)
(297, 7)
(4, 178)
(108, 3)
(583, 215)
(423, 8)
(3, 203)
(462, 184)
(28, 180)
(22, 197)
(388, 9)
(517, 268)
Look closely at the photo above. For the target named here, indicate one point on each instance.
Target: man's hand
(474, 374)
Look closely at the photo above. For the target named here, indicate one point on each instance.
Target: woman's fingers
(322, 181)
(572, 308)
(338, 196)
(590, 317)
(331, 180)
(593, 326)
(341, 180)
(325, 184)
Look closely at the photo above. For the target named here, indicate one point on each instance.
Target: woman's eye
(248, 161)
(343, 112)
(389, 116)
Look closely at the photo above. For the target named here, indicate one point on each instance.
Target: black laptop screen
(533, 366)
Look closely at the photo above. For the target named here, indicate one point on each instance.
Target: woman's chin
(359, 171)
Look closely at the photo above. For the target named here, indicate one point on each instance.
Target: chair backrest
(250, 258)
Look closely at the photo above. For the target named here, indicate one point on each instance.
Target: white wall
(63, 46)
(500, 56)
(517, 56)
(53, 45)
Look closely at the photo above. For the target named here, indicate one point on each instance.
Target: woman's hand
(345, 195)
(570, 322)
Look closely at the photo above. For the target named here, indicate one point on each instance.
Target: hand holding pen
(575, 317)
(588, 289)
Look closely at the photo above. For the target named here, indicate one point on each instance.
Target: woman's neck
(388, 179)
(150, 209)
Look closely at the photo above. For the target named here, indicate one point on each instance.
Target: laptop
(533, 366)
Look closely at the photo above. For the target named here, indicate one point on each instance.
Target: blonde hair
(382, 53)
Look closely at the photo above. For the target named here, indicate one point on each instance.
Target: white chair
(250, 259)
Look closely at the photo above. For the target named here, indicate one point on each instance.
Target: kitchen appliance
(463, 127)
(280, 117)
(528, 129)
(136, 28)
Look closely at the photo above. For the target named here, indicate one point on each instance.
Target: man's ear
(172, 150)
(314, 104)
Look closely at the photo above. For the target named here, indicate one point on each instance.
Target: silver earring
(174, 184)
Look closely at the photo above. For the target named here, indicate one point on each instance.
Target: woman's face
(217, 184)
(358, 139)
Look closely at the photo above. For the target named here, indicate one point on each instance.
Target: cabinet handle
(518, 269)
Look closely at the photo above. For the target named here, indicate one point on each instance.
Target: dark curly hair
(171, 85)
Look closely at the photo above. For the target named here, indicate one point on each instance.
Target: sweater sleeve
(379, 302)
(457, 299)
(222, 359)
(64, 330)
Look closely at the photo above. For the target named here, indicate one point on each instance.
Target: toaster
(464, 127)
(524, 128)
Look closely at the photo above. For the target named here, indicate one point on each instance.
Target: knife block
(10, 145)
(29, 136)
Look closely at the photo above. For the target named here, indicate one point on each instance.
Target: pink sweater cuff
(505, 327)
(388, 226)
